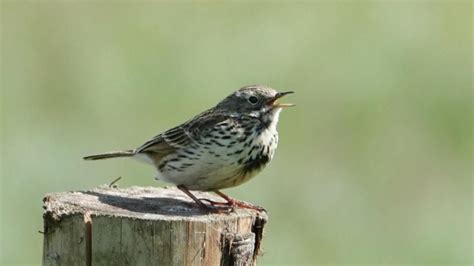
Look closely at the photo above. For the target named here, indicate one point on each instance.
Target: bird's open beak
(274, 102)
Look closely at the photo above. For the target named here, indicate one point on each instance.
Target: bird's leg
(198, 201)
(235, 203)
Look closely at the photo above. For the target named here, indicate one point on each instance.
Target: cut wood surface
(146, 226)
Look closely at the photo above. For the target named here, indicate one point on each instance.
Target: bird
(222, 147)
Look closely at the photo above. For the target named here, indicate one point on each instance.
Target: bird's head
(256, 100)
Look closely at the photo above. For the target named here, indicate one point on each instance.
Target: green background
(374, 164)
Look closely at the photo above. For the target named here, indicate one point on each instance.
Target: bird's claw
(245, 205)
(232, 204)
(217, 207)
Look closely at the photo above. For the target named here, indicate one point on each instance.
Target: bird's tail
(112, 154)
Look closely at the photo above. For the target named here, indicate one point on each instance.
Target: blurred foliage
(374, 164)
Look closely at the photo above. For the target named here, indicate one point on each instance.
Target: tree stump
(146, 226)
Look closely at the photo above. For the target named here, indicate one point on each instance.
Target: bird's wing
(182, 135)
(202, 125)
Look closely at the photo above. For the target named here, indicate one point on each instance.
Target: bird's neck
(269, 119)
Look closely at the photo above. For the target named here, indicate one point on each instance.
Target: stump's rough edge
(137, 200)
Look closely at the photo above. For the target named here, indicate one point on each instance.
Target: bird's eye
(253, 99)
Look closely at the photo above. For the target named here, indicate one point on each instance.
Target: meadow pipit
(222, 147)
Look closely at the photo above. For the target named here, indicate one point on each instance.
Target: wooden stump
(145, 226)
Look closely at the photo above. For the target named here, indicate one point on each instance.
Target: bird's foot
(233, 203)
(246, 205)
(220, 207)
(240, 204)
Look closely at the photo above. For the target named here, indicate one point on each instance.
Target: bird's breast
(226, 157)
(262, 150)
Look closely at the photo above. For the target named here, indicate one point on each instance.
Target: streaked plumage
(222, 147)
